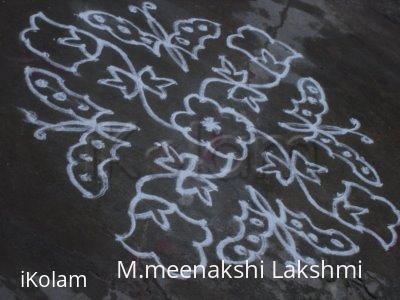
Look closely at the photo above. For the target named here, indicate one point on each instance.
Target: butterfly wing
(358, 164)
(190, 35)
(312, 105)
(252, 238)
(50, 89)
(326, 241)
(122, 29)
(88, 160)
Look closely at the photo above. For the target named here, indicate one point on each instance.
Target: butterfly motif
(99, 141)
(188, 36)
(81, 47)
(259, 224)
(310, 110)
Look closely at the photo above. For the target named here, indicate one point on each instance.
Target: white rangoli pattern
(261, 221)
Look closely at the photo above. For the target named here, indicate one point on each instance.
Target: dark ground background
(350, 46)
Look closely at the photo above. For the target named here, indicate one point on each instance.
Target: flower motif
(211, 125)
(222, 130)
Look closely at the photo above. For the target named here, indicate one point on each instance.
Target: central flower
(222, 130)
(211, 125)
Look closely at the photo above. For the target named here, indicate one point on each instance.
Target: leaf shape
(229, 71)
(278, 167)
(296, 127)
(154, 84)
(193, 184)
(125, 81)
(173, 161)
(306, 169)
(248, 95)
(131, 84)
(112, 127)
(157, 209)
